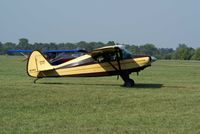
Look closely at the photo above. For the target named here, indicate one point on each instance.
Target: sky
(165, 23)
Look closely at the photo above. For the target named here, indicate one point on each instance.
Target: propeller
(153, 59)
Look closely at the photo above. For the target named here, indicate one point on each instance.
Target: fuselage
(85, 66)
(101, 62)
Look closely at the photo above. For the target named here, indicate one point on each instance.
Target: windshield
(125, 53)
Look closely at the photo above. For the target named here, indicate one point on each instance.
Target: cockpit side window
(105, 57)
(126, 54)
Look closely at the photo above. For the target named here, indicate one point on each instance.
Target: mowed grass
(165, 99)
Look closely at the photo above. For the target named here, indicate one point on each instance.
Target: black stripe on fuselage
(101, 74)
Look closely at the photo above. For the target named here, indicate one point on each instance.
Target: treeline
(182, 52)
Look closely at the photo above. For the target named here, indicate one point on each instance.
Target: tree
(149, 49)
(83, 44)
(111, 43)
(52, 46)
(196, 55)
(1, 48)
(183, 52)
(7, 46)
(165, 53)
(132, 48)
(23, 44)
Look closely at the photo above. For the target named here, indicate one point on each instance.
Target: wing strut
(118, 62)
(124, 74)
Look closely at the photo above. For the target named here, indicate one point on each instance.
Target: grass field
(166, 99)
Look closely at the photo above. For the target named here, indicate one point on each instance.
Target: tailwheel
(129, 83)
(36, 80)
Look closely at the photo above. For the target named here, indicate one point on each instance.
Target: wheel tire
(129, 83)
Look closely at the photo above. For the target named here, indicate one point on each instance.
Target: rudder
(36, 64)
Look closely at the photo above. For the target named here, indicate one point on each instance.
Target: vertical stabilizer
(36, 64)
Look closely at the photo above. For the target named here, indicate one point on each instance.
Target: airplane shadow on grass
(137, 85)
(145, 85)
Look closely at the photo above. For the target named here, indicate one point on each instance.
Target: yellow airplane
(105, 61)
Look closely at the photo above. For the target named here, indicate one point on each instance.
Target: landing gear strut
(127, 81)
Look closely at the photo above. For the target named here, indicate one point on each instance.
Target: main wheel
(129, 83)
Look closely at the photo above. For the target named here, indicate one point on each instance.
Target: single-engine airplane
(105, 61)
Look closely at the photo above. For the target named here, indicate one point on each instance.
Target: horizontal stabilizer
(48, 51)
(65, 51)
(19, 51)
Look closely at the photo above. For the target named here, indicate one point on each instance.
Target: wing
(19, 51)
(65, 51)
(47, 51)
(104, 51)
